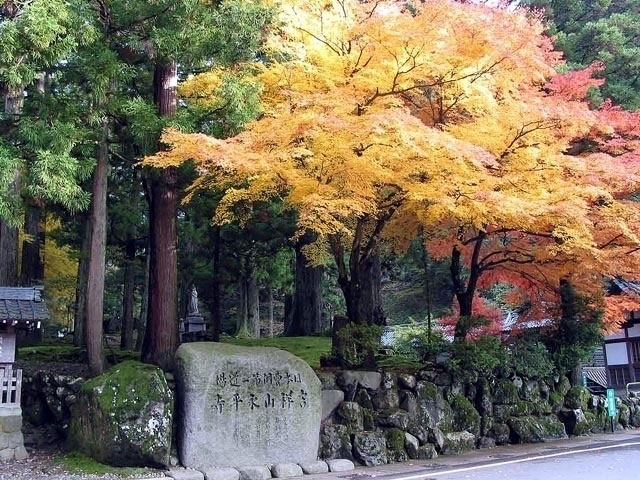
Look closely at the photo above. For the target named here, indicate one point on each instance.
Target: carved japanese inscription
(245, 406)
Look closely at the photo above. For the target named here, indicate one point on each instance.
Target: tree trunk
(32, 269)
(465, 292)
(307, 301)
(81, 287)
(161, 338)
(216, 313)
(97, 250)
(253, 304)
(364, 301)
(144, 304)
(242, 328)
(126, 338)
(13, 100)
(270, 305)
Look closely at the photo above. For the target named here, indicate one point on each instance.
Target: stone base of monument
(262, 472)
(11, 438)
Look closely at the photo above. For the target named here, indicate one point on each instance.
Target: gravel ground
(41, 465)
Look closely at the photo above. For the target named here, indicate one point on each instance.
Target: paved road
(612, 457)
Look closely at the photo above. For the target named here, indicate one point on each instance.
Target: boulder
(427, 452)
(465, 417)
(433, 410)
(243, 406)
(577, 397)
(185, 474)
(406, 381)
(368, 380)
(330, 400)
(328, 380)
(394, 419)
(458, 442)
(536, 429)
(501, 433)
(386, 400)
(124, 416)
(350, 415)
(285, 470)
(505, 392)
(411, 445)
(395, 445)
(575, 421)
(340, 465)
(370, 448)
(314, 468)
(363, 398)
(255, 472)
(221, 474)
(335, 442)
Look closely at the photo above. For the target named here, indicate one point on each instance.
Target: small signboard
(611, 402)
(584, 381)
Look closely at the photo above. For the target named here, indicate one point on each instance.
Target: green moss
(577, 397)
(505, 392)
(79, 464)
(309, 349)
(395, 440)
(121, 388)
(465, 417)
(522, 408)
(69, 354)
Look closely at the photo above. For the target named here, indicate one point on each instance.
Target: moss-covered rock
(577, 397)
(433, 410)
(395, 445)
(505, 392)
(465, 417)
(124, 417)
(575, 421)
(370, 448)
(458, 442)
(335, 442)
(350, 415)
(536, 429)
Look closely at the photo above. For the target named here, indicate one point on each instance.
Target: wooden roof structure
(22, 307)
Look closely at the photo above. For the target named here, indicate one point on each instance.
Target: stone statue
(193, 302)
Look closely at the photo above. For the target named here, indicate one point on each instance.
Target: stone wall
(11, 439)
(380, 417)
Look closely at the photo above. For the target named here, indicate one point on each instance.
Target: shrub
(357, 345)
(485, 355)
(530, 358)
(417, 344)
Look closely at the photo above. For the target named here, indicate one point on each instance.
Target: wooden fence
(10, 387)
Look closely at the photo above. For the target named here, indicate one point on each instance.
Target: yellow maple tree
(382, 120)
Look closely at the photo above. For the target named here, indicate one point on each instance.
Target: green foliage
(530, 358)
(416, 343)
(577, 333)
(310, 349)
(357, 345)
(604, 31)
(484, 355)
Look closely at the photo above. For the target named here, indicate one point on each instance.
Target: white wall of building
(616, 353)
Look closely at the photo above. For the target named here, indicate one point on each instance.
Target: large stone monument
(244, 406)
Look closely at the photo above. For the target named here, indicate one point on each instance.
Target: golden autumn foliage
(382, 121)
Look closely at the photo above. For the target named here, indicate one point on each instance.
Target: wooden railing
(10, 387)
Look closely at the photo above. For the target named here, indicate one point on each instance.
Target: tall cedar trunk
(126, 338)
(242, 328)
(81, 287)
(13, 100)
(270, 307)
(253, 304)
(362, 292)
(307, 301)
(32, 269)
(97, 250)
(161, 338)
(216, 310)
(141, 326)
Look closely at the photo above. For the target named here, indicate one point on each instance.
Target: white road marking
(511, 462)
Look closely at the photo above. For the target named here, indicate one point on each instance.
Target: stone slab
(185, 474)
(331, 399)
(244, 406)
(340, 465)
(260, 472)
(221, 474)
(314, 468)
(286, 470)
